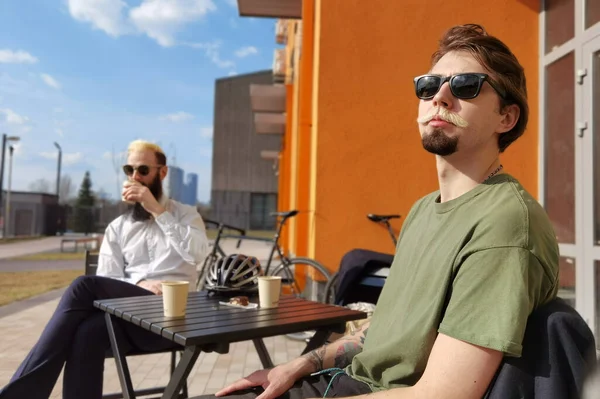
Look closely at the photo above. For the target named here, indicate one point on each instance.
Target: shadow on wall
(534, 5)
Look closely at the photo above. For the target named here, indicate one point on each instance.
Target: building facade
(244, 181)
(33, 214)
(191, 189)
(175, 185)
(351, 142)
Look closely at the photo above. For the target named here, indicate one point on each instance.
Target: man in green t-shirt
(473, 261)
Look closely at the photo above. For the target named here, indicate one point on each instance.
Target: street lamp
(5, 139)
(58, 172)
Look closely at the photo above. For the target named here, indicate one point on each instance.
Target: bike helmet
(234, 274)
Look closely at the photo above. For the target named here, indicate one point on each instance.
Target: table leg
(263, 353)
(182, 371)
(122, 369)
(317, 340)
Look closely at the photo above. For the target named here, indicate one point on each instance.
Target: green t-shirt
(472, 268)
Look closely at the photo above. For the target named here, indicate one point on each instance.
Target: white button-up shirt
(166, 248)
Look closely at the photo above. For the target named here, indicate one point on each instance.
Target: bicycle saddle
(382, 218)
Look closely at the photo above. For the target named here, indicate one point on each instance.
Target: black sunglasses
(464, 86)
(142, 169)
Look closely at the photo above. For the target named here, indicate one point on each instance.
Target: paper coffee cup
(175, 296)
(269, 290)
(126, 184)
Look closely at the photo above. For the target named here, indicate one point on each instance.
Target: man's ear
(163, 172)
(510, 116)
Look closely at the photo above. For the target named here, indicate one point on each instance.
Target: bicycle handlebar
(226, 226)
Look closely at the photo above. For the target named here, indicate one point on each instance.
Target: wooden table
(209, 325)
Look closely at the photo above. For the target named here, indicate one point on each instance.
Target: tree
(40, 185)
(84, 207)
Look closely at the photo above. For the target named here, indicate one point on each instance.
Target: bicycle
(381, 219)
(320, 276)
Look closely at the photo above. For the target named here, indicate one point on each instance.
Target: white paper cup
(269, 290)
(175, 296)
(126, 184)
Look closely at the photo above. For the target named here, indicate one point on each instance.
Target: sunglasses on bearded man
(142, 169)
(464, 86)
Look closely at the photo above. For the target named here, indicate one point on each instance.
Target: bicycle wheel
(318, 277)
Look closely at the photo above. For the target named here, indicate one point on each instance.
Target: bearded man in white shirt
(157, 239)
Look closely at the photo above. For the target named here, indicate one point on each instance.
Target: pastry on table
(239, 300)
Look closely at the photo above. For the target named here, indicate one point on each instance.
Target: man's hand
(142, 194)
(151, 285)
(275, 381)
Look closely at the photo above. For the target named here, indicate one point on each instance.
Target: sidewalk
(28, 247)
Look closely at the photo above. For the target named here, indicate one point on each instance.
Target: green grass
(11, 240)
(15, 286)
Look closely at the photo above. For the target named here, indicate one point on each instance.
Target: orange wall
(304, 129)
(369, 155)
(283, 196)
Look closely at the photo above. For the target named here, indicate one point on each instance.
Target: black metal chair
(91, 266)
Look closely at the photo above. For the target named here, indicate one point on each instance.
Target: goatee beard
(439, 143)
(137, 211)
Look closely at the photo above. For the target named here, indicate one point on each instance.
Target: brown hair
(504, 70)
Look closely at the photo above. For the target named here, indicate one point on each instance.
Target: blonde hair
(142, 145)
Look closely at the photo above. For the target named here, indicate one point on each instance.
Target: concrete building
(175, 185)
(33, 214)
(244, 180)
(191, 189)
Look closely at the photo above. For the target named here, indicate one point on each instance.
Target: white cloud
(59, 132)
(246, 51)
(58, 110)
(72, 158)
(120, 157)
(232, 3)
(16, 57)
(162, 19)
(106, 15)
(177, 117)
(50, 81)
(18, 149)
(67, 158)
(12, 118)
(232, 73)
(206, 132)
(212, 52)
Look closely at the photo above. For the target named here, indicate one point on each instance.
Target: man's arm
(278, 380)
(455, 370)
(187, 236)
(338, 353)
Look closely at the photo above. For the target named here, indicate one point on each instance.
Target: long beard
(137, 211)
(439, 143)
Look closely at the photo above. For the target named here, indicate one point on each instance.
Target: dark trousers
(76, 338)
(310, 387)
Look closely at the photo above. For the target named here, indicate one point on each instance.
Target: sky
(93, 75)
